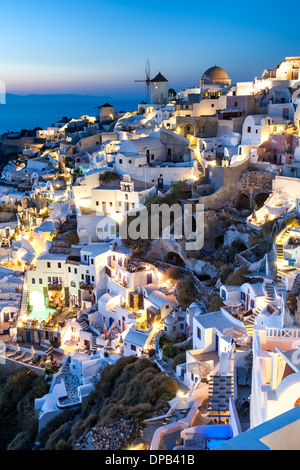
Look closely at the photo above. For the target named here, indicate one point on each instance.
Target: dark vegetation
(171, 351)
(186, 291)
(19, 424)
(131, 388)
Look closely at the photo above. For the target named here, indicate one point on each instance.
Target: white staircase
(85, 327)
(24, 299)
(270, 296)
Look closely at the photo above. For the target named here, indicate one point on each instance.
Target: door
(28, 337)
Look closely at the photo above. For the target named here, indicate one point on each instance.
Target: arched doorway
(259, 200)
(174, 258)
(241, 202)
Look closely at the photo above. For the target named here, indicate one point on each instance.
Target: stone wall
(228, 178)
(255, 182)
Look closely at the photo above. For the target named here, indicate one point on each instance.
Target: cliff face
(221, 230)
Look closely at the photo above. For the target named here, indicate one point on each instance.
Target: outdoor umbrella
(232, 303)
(198, 368)
(234, 332)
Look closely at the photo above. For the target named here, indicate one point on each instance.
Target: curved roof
(159, 78)
(159, 298)
(215, 73)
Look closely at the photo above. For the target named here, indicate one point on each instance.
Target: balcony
(86, 286)
(55, 287)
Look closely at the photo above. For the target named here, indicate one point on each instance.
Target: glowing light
(36, 300)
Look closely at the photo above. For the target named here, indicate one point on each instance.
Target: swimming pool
(41, 313)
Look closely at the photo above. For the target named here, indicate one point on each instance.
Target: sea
(30, 111)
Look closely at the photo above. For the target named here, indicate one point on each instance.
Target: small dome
(215, 74)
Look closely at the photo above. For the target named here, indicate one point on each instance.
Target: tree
(174, 273)
(237, 278)
(186, 292)
(215, 303)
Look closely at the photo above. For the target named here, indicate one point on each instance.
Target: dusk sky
(100, 47)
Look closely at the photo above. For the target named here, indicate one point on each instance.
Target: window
(48, 264)
(49, 279)
(33, 280)
(92, 260)
(93, 278)
(97, 203)
(82, 276)
(198, 333)
(249, 129)
(69, 269)
(40, 280)
(181, 326)
(75, 270)
(59, 265)
(85, 257)
(129, 161)
(120, 161)
(133, 347)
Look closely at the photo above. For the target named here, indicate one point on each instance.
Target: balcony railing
(56, 287)
(86, 286)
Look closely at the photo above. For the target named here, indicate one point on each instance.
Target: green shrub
(237, 278)
(168, 350)
(215, 303)
(180, 358)
(186, 292)
(225, 271)
(174, 273)
(21, 441)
